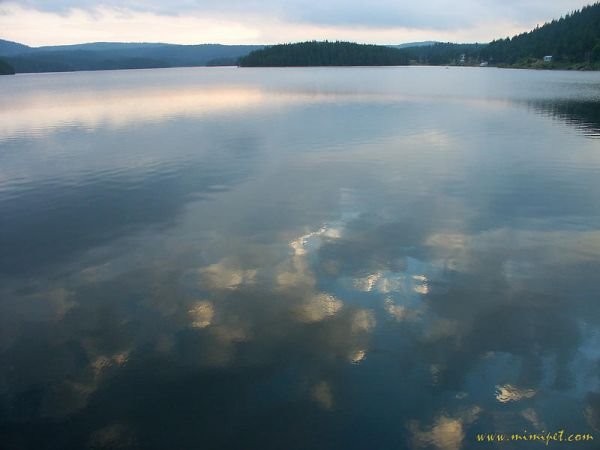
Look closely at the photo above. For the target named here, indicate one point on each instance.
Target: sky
(43, 22)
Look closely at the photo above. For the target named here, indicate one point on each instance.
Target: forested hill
(116, 55)
(574, 38)
(6, 69)
(326, 53)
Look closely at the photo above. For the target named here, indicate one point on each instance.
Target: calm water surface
(356, 258)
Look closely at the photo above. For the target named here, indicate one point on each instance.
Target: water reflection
(279, 269)
(50, 217)
(581, 114)
(118, 109)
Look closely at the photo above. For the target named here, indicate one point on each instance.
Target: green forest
(325, 53)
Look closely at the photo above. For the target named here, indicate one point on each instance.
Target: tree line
(313, 53)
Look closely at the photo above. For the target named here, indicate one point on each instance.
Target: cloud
(443, 14)
(509, 393)
(270, 21)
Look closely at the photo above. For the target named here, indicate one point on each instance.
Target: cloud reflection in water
(336, 264)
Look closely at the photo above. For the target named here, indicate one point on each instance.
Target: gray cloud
(433, 14)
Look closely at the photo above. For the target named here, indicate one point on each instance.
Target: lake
(311, 258)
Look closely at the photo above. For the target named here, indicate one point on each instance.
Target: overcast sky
(48, 22)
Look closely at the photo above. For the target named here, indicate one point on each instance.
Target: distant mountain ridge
(415, 44)
(8, 48)
(118, 55)
(100, 46)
